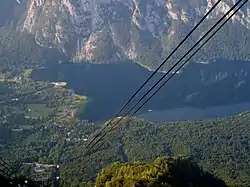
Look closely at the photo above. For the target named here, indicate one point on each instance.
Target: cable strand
(176, 65)
(158, 68)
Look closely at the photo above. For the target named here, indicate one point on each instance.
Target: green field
(38, 110)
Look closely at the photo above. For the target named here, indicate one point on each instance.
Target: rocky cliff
(104, 31)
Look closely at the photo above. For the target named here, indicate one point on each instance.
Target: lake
(192, 113)
(199, 86)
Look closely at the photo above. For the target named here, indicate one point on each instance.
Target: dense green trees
(162, 172)
(221, 146)
(19, 51)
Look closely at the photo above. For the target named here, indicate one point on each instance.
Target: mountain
(105, 31)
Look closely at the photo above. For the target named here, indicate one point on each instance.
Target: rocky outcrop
(106, 30)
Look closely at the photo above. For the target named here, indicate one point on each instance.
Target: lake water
(192, 113)
(200, 86)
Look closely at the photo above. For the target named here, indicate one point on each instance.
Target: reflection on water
(109, 86)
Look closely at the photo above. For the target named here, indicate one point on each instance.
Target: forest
(162, 172)
(19, 51)
(219, 146)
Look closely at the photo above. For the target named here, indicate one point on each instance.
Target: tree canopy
(162, 172)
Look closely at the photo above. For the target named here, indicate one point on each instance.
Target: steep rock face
(144, 31)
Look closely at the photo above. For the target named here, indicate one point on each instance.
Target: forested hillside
(162, 172)
(220, 146)
(19, 51)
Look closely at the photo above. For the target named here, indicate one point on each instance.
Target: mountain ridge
(143, 31)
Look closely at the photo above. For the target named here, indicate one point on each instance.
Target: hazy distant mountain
(103, 31)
